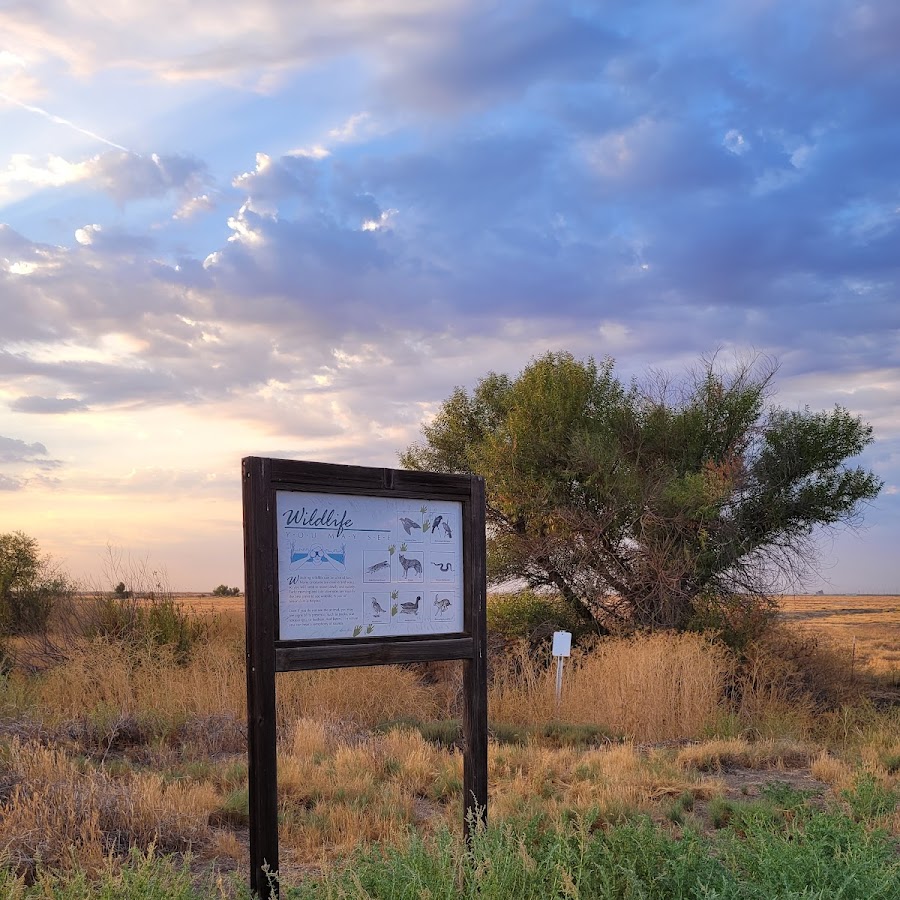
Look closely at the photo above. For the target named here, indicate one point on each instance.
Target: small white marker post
(562, 647)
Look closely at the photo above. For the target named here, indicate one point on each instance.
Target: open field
(662, 745)
(865, 627)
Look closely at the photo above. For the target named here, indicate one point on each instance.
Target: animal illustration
(444, 566)
(377, 607)
(378, 566)
(409, 524)
(411, 608)
(446, 529)
(442, 604)
(437, 521)
(408, 564)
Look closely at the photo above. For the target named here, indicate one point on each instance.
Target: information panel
(359, 566)
(362, 567)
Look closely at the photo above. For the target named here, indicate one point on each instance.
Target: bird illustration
(437, 521)
(376, 607)
(446, 529)
(409, 524)
(412, 608)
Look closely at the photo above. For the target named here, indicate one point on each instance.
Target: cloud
(359, 127)
(19, 454)
(127, 176)
(121, 174)
(213, 40)
(17, 85)
(53, 172)
(15, 450)
(47, 405)
(649, 184)
(195, 206)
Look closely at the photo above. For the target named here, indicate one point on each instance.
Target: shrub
(648, 687)
(156, 621)
(147, 614)
(224, 591)
(786, 677)
(530, 615)
(30, 585)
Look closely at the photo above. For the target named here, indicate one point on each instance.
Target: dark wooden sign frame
(268, 654)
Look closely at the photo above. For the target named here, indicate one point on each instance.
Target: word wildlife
(327, 519)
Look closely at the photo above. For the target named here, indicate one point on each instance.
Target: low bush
(786, 679)
(532, 616)
(157, 621)
(56, 813)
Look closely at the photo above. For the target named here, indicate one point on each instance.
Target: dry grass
(107, 682)
(612, 782)
(714, 755)
(865, 628)
(55, 812)
(650, 688)
(136, 748)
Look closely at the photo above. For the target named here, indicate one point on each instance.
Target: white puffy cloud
(23, 170)
(123, 175)
(195, 206)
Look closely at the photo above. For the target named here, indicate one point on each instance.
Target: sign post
(562, 647)
(356, 566)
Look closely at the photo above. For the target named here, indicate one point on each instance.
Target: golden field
(865, 627)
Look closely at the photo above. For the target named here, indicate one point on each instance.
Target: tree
(655, 504)
(29, 585)
(224, 591)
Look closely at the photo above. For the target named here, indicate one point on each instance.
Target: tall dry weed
(108, 681)
(650, 687)
(363, 695)
(57, 813)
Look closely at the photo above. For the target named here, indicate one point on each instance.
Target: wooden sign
(356, 566)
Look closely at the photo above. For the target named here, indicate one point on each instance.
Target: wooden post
(259, 604)
(475, 768)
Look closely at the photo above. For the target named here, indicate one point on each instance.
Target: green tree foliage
(30, 586)
(655, 504)
(224, 591)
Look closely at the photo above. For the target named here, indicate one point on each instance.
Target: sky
(290, 229)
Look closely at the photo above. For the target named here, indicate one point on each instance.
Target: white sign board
(562, 643)
(351, 566)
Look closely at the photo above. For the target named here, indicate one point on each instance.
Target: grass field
(667, 771)
(865, 627)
